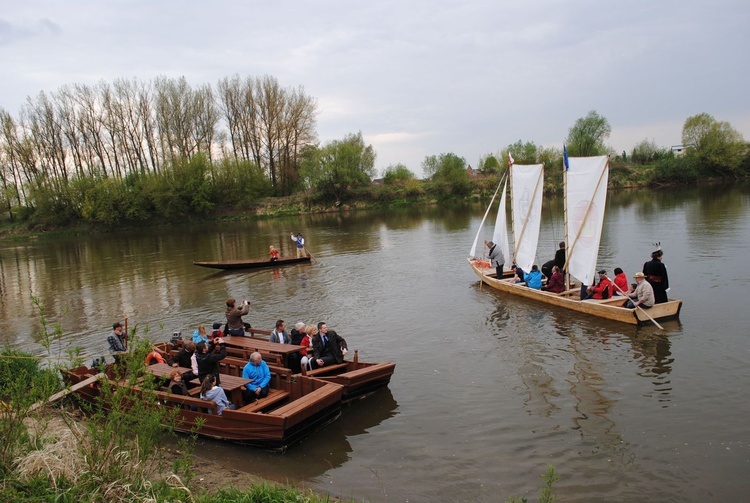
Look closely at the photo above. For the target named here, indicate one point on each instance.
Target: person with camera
(208, 356)
(235, 325)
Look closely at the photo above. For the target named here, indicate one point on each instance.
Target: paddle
(307, 250)
(639, 307)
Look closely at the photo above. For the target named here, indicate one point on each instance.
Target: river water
(488, 389)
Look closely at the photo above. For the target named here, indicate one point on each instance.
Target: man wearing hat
(643, 293)
(300, 244)
(497, 260)
(656, 274)
(603, 289)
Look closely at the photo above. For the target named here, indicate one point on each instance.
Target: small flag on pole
(510, 160)
(565, 157)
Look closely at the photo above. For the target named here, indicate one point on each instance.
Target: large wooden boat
(357, 378)
(585, 200)
(253, 264)
(611, 309)
(295, 406)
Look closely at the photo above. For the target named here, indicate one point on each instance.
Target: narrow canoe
(610, 309)
(252, 264)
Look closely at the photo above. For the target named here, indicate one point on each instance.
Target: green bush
(681, 170)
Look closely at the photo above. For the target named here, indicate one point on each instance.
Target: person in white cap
(643, 293)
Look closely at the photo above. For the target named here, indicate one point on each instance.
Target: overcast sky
(417, 78)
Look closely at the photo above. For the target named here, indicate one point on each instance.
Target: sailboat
(585, 180)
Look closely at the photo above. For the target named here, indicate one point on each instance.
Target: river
(488, 389)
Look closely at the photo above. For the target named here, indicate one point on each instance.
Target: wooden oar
(639, 307)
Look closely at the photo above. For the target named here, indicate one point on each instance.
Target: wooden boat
(295, 406)
(254, 264)
(358, 379)
(585, 199)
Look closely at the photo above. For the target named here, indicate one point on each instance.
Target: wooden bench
(327, 369)
(201, 405)
(274, 396)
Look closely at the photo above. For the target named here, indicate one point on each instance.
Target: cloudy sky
(417, 78)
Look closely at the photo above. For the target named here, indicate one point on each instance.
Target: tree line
(66, 146)
(710, 149)
(134, 151)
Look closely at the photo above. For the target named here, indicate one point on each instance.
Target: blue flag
(565, 157)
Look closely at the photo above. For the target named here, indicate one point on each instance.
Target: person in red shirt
(603, 289)
(621, 282)
(556, 283)
(274, 253)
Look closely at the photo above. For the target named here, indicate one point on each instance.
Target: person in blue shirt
(534, 278)
(259, 375)
(199, 335)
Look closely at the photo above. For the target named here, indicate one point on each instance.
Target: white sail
(586, 198)
(473, 251)
(527, 182)
(500, 234)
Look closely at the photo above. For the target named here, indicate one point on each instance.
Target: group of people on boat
(299, 242)
(650, 287)
(202, 353)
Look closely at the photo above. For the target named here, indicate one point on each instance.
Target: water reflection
(324, 450)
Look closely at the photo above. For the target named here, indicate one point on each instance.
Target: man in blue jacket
(259, 375)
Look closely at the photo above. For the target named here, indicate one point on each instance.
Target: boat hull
(252, 264)
(609, 309)
(358, 379)
(312, 405)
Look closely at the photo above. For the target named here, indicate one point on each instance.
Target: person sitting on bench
(328, 347)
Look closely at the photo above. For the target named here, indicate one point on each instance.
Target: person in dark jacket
(328, 347)
(208, 358)
(656, 275)
(183, 359)
(235, 325)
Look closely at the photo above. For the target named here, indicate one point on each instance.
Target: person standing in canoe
(656, 275)
(300, 244)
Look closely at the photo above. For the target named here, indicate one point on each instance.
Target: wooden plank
(274, 396)
(57, 396)
(327, 369)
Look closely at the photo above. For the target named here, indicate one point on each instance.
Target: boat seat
(274, 396)
(325, 370)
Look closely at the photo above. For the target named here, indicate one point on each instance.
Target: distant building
(680, 149)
